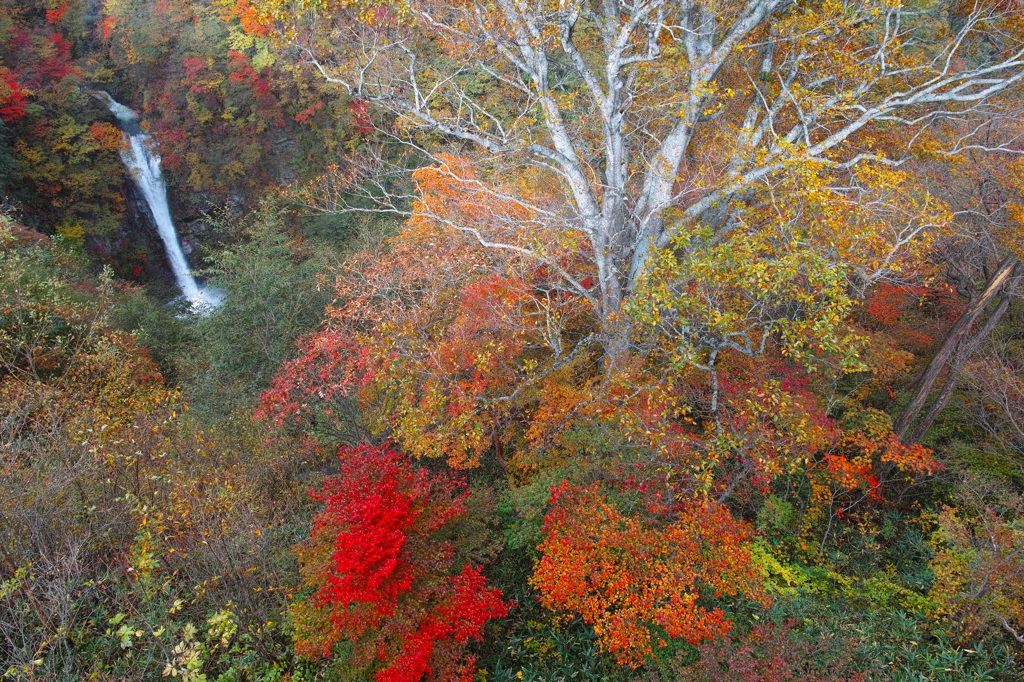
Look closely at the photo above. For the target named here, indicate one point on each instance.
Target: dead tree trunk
(956, 346)
(964, 351)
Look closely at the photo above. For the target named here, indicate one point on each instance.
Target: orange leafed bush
(630, 578)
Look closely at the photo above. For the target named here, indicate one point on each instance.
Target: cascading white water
(143, 162)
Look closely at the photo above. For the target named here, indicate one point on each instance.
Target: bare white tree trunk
(589, 95)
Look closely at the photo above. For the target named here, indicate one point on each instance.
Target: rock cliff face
(134, 250)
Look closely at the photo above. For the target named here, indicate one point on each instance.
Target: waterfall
(143, 162)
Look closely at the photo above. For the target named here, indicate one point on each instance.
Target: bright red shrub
(382, 579)
(12, 97)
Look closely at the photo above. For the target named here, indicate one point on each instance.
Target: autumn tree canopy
(651, 117)
(610, 341)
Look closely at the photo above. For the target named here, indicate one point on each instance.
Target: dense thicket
(607, 341)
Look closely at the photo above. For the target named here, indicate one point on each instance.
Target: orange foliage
(106, 135)
(436, 336)
(250, 19)
(54, 16)
(108, 24)
(633, 579)
(979, 564)
(910, 317)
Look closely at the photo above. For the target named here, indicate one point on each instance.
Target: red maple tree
(382, 578)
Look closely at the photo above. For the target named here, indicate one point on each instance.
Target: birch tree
(649, 116)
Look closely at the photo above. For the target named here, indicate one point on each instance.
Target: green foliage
(271, 298)
(545, 649)
(162, 328)
(523, 510)
(43, 319)
(900, 645)
(132, 538)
